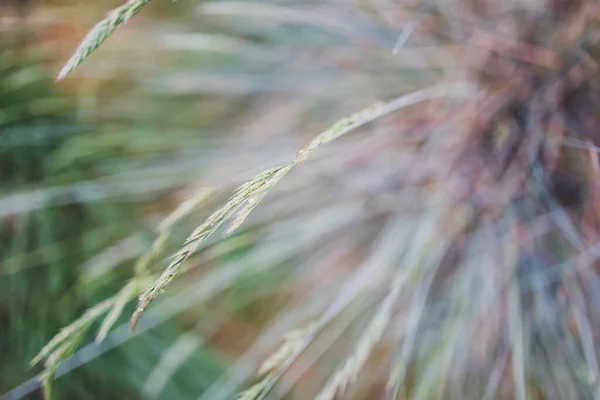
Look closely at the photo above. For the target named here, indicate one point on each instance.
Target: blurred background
(188, 96)
(444, 248)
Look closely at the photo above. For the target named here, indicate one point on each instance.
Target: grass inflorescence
(100, 32)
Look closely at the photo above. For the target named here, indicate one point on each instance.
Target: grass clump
(474, 262)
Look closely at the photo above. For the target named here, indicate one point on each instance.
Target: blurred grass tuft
(444, 244)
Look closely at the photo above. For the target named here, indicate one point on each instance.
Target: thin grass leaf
(407, 31)
(518, 346)
(100, 32)
(495, 378)
(584, 329)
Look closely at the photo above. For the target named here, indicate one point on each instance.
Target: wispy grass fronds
(247, 196)
(98, 34)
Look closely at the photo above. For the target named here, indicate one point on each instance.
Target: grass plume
(247, 196)
(100, 32)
